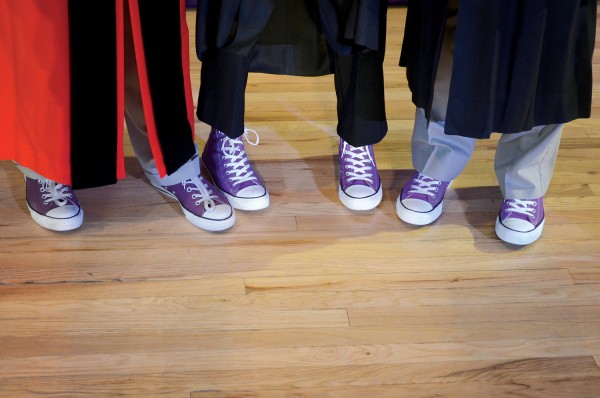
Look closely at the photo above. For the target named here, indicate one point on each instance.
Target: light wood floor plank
(301, 357)
(585, 388)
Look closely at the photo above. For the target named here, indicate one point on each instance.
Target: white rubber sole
(518, 238)
(249, 204)
(207, 224)
(360, 204)
(57, 224)
(416, 217)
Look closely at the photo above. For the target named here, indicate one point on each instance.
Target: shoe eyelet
(533, 210)
(535, 203)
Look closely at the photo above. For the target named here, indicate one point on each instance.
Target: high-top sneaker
(226, 162)
(53, 205)
(203, 204)
(520, 221)
(421, 200)
(360, 186)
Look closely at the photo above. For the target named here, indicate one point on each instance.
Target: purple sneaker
(226, 162)
(520, 221)
(203, 205)
(421, 200)
(360, 186)
(53, 205)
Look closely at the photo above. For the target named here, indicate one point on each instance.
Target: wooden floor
(307, 298)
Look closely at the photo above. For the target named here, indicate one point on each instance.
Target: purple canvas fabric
(226, 161)
(424, 188)
(529, 210)
(52, 205)
(358, 166)
(191, 198)
(43, 196)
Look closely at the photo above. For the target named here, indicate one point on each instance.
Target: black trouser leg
(221, 101)
(360, 97)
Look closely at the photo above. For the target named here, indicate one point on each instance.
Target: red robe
(62, 84)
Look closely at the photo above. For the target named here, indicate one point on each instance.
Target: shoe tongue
(358, 154)
(426, 179)
(233, 145)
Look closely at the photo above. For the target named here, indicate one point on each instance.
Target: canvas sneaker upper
(360, 184)
(227, 163)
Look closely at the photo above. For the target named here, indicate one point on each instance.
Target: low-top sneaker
(421, 200)
(520, 221)
(203, 204)
(53, 205)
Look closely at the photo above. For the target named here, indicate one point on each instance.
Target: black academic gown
(293, 37)
(63, 75)
(517, 63)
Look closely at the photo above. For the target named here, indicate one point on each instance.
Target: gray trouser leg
(524, 162)
(141, 146)
(138, 131)
(435, 154)
(134, 108)
(30, 173)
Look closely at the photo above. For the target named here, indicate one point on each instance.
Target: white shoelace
(425, 187)
(236, 159)
(526, 207)
(361, 163)
(205, 195)
(54, 192)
